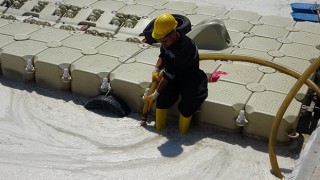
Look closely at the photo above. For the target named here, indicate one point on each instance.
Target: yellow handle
(153, 87)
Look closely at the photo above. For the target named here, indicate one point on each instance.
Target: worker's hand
(155, 74)
(151, 99)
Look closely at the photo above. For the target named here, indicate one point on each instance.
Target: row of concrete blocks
(69, 16)
(128, 67)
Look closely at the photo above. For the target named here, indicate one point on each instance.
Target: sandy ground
(46, 134)
(49, 135)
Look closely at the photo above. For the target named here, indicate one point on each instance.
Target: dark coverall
(185, 78)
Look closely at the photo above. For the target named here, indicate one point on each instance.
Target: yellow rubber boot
(161, 118)
(184, 123)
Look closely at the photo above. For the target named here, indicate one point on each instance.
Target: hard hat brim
(157, 36)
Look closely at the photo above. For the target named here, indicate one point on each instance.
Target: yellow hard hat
(163, 24)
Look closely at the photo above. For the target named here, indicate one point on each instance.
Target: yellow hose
(279, 116)
(220, 56)
(282, 109)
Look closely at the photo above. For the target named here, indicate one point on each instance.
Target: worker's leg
(161, 118)
(184, 123)
(168, 96)
(193, 93)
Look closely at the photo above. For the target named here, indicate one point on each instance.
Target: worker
(182, 77)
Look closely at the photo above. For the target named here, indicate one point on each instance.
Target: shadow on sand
(173, 146)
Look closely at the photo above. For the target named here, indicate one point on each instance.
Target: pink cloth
(216, 75)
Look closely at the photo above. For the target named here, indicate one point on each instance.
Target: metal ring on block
(293, 135)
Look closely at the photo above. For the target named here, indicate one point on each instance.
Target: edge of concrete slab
(308, 165)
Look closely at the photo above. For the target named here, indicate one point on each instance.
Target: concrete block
(223, 104)
(129, 82)
(261, 109)
(88, 72)
(52, 67)
(16, 56)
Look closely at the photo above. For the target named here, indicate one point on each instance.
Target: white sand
(46, 134)
(50, 135)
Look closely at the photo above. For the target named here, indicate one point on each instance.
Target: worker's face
(168, 39)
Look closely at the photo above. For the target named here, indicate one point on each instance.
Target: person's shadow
(174, 146)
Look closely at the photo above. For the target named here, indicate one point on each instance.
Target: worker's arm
(155, 73)
(163, 82)
(152, 97)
